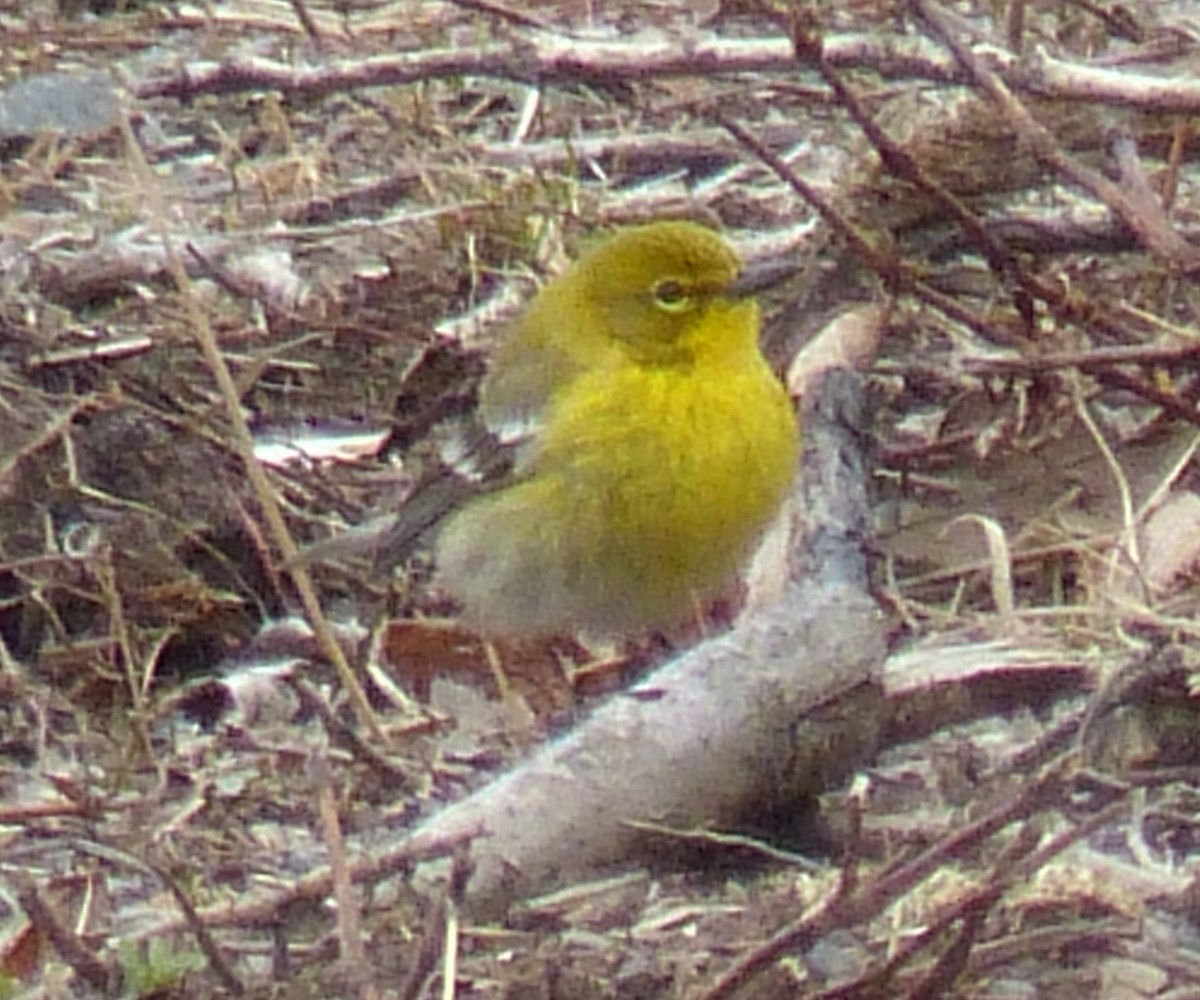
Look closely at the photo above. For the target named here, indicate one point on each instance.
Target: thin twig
(243, 443)
(1152, 229)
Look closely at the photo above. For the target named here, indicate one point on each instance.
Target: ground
(232, 234)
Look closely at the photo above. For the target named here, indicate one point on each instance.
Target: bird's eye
(671, 296)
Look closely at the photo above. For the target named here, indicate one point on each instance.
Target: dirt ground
(252, 258)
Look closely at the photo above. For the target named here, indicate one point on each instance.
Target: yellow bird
(662, 445)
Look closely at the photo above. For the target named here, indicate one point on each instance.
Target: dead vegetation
(234, 236)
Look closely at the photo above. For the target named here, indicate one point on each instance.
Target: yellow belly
(624, 523)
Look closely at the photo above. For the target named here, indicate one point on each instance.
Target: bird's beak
(759, 277)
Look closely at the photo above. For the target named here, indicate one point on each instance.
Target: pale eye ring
(670, 295)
